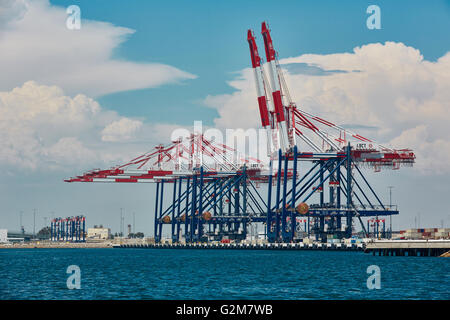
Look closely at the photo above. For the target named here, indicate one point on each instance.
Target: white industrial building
(99, 233)
(3, 235)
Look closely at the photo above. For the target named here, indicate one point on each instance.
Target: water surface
(217, 274)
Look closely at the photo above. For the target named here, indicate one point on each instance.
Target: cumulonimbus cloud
(121, 130)
(35, 44)
(390, 89)
(41, 128)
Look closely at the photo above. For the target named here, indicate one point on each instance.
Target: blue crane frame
(207, 191)
(71, 229)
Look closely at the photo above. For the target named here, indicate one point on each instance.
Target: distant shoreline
(55, 245)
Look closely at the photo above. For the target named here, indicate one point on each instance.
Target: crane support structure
(208, 205)
(71, 229)
(212, 206)
(343, 194)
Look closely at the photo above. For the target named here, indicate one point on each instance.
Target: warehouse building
(428, 233)
(99, 233)
(3, 235)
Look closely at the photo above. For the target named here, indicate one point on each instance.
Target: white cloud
(68, 151)
(389, 87)
(121, 130)
(434, 154)
(42, 128)
(36, 45)
(11, 10)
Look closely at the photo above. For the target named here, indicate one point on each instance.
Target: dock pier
(248, 246)
(416, 248)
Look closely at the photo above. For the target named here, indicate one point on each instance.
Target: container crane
(331, 149)
(319, 135)
(215, 187)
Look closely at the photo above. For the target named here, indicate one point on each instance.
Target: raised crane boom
(315, 131)
(260, 89)
(276, 88)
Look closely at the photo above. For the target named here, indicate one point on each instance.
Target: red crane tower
(319, 135)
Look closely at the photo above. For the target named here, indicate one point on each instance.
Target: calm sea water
(217, 274)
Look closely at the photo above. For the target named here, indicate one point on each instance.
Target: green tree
(44, 233)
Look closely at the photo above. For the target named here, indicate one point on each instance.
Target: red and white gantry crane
(320, 136)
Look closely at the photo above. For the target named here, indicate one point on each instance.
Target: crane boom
(276, 88)
(260, 88)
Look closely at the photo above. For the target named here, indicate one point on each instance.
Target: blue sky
(207, 39)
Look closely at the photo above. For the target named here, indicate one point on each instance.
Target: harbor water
(218, 274)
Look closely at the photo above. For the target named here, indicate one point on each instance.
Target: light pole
(134, 230)
(121, 219)
(34, 223)
(390, 207)
(21, 213)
